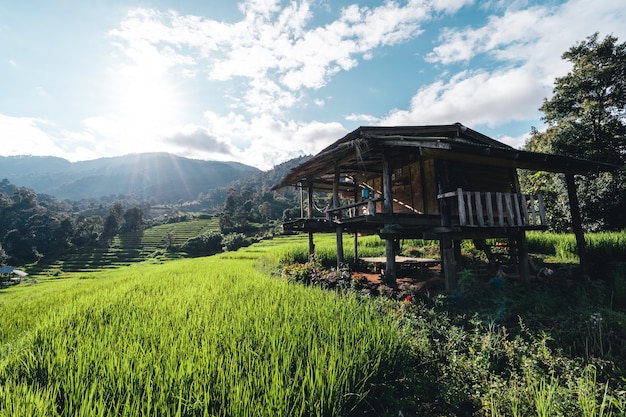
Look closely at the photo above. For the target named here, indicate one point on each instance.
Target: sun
(148, 100)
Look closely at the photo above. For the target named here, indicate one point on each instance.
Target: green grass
(128, 248)
(156, 237)
(224, 336)
(608, 245)
(209, 336)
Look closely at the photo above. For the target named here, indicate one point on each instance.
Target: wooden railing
(487, 209)
(366, 207)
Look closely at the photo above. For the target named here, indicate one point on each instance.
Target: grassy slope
(209, 336)
(129, 248)
(147, 338)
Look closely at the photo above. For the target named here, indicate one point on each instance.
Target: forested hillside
(158, 177)
(36, 228)
(251, 199)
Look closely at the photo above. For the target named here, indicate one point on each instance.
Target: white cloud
(279, 44)
(264, 141)
(538, 34)
(30, 136)
(527, 44)
(508, 31)
(366, 118)
(516, 142)
(473, 98)
(267, 61)
(25, 136)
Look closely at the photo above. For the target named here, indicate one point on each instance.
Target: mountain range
(159, 177)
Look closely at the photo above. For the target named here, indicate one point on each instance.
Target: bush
(204, 245)
(305, 273)
(234, 241)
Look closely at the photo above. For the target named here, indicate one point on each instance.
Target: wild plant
(588, 393)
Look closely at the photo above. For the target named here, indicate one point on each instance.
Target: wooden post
(310, 216)
(336, 187)
(340, 259)
(339, 229)
(356, 235)
(522, 256)
(301, 200)
(448, 262)
(577, 222)
(518, 214)
(441, 172)
(390, 251)
(423, 184)
(458, 258)
(446, 244)
(387, 195)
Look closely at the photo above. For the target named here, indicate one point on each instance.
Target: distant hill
(162, 177)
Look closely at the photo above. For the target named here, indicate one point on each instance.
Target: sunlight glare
(149, 101)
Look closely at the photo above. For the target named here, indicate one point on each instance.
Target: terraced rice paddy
(129, 248)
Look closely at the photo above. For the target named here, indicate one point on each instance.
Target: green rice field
(227, 335)
(200, 337)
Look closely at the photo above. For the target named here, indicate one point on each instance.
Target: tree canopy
(586, 118)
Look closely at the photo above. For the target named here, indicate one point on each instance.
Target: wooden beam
(577, 222)
(523, 258)
(336, 186)
(423, 184)
(443, 186)
(390, 259)
(310, 216)
(390, 250)
(446, 243)
(387, 195)
(339, 230)
(448, 262)
(340, 259)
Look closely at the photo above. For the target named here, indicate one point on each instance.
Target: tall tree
(586, 118)
(133, 220)
(3, 256)
(88, 230)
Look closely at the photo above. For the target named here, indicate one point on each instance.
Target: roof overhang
(361, 151)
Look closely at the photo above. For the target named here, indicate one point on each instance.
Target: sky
(264, 81)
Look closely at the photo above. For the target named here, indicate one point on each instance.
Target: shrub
(204, 245)
(234, 241)
(305, 273)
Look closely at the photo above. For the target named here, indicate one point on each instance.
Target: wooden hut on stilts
(442, 182)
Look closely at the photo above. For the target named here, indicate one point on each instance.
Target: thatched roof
(361, 151)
